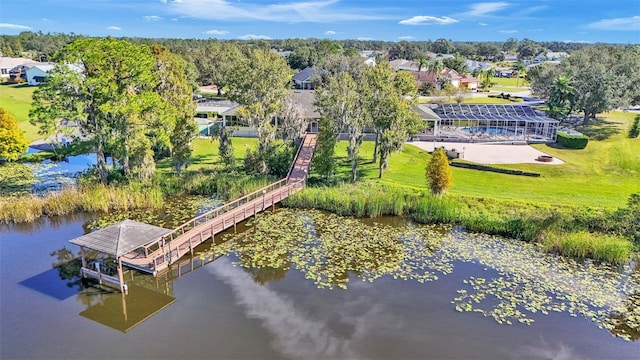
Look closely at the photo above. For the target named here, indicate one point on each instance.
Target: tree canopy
(119, 96)
(601, 78)
(259, 83)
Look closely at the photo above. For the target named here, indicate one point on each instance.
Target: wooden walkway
(158, 255)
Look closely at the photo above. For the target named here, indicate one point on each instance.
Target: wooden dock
(168, 249)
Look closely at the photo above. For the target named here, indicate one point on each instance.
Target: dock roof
(121, 238)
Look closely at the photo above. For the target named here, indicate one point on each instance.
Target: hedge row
(493, 169)
(572, 141)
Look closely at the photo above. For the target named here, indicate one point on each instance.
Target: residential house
(556, 56)
(7, 64)
(510, 56)
(36, 74)
(473, 65)
(224, 112)
(469, 82)
(435, 56)
(505, 73)
(454, 78)
(550, 56)
(370, 61)
(303, 79)
(423, 77)
(402, 64)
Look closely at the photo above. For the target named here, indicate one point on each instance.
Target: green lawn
(485, 100)
(508, 81)
(602, 175)
(205, 153)
(508, 89)
(17, 100)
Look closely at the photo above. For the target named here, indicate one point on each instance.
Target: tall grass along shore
(561, 229)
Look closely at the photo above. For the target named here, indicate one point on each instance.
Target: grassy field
(602, 175)
(205, 153)
(17, 100)
(508, 89)
(485, 100)
(508, 81)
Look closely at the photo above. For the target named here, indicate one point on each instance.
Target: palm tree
(422, 62)
(436, 67)
(561, 98)
(485, 77)
(521, 70)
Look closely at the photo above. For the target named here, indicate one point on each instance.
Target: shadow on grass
(599, 129)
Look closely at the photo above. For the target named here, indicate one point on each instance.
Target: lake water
(307, 285)
(55, 175)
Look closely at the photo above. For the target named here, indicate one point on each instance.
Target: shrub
(572, 141)
(634, 132)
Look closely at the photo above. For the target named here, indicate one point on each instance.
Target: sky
(588, 21)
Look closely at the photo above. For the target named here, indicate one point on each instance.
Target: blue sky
(612, 21)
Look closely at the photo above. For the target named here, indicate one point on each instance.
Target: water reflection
(296, 333)
(123, 312)
(54, 175)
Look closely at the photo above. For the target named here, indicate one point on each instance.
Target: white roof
(42, 67)
(10, 63)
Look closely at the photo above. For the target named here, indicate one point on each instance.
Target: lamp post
(264, 194)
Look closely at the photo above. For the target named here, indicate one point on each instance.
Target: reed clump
(370, 200)
(583, 244)
(89, 198)
(223, 184)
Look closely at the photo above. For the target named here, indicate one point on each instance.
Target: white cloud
(45, 19)
(428, 20)
(305, 11)
(116, 28)
(216, 32)
(163, 1)
(152, 18)
(578, 41)
(330, 32)
(13, 26)
(483, 24)
(254, 37)
(364, 38)
(629, 24)
(484, 8)
(406, 37)
(508, 31)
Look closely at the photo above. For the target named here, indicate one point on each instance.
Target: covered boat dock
(120, 240)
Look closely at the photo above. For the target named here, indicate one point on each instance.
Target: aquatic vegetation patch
(176, 211)
(331, 251)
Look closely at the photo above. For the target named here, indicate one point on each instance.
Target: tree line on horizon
(43, 46)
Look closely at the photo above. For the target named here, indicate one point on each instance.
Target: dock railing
(212, 214)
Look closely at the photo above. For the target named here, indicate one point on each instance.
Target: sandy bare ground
(491, 153)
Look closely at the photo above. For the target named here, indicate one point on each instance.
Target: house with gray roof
(303, 79)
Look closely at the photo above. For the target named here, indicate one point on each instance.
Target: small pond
(310, 285)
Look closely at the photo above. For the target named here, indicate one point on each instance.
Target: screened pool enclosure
(487, 122)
